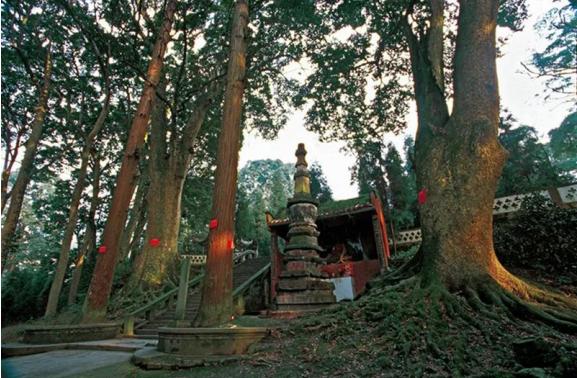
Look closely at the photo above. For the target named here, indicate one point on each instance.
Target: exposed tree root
(415, 327)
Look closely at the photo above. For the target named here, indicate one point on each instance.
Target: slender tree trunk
(27, 165)
(216, 302)
(101, 284)
(9, 160)
(135, 243)
(62, 265)
(136, 214)
(89, 241)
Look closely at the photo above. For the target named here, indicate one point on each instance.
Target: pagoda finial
(302, 176)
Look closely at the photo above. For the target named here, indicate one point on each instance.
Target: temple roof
(335, 208)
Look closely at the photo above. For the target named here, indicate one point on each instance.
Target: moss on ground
(404, 331)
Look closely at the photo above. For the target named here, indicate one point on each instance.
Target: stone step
(241, 274)
(304, 283)
(308, 297)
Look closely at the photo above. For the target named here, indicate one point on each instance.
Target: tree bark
(168, 166)
(62, 264)
(216, 301)
(458, 158)
(101, 283)
(89, 241)
(10, 157)
(27, 165)
(136, 214)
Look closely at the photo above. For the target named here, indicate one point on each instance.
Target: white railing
(238, 257)
(501, 205)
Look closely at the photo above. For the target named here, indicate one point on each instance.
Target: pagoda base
(302, 285)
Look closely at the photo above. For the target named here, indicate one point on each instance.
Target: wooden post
(128, 328)
(382, 228)
(275, 266)
(182, 292)
(379, 243)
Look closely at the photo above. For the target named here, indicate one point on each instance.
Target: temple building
(324, 254)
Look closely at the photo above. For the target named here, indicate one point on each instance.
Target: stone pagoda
(301, 285)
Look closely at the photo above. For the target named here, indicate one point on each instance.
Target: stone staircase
(241, 274)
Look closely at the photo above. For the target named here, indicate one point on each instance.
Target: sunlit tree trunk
(101, 283)
(216, 301)
(458, 157)
(27, 165)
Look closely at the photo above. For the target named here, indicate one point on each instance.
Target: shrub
(540, 236)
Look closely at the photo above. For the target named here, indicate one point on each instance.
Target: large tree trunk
(462, 161)
(152, 264)
(458, 161)
(89, 240)
(101, 284)
(216, 302)
(458, 158)
(62, 265)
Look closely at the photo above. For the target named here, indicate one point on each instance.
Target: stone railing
(564, 196)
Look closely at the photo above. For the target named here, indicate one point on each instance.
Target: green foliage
(529, 166)
(360, 84)
(24, 293)
(563, 144)
(402, 190)
(557, 61)
(263, 185)
(320, 189)
(398, 191)
(368, 171)
(540, 236)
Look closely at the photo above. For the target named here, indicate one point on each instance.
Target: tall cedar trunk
(56, 288)
(101, 283)
(89, 241)
(27, 165)
(458, 158)
(216, 301)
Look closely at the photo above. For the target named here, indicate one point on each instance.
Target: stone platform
(180, 348)
(71, 333)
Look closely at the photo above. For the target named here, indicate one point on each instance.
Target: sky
(518, 94)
